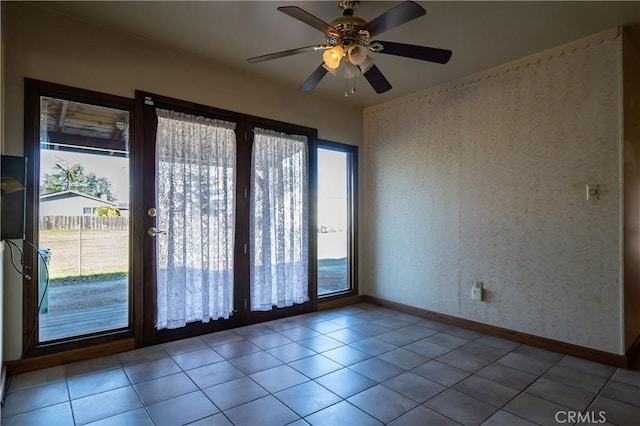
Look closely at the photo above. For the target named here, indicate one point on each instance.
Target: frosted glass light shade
(332, 57)
(357, 54)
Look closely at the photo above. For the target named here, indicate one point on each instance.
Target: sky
(332, 195)
(115, 169)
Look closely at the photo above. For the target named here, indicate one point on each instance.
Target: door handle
(153, 231)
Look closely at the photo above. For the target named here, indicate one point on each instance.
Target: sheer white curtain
(279, 220)
(196, 177)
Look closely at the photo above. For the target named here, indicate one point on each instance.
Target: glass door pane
(279, 227)
(333, 221)
(196, 186)
(191, 244)
(83, 219)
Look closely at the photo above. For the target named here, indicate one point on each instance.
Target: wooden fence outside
(101, 223)
(85, 245)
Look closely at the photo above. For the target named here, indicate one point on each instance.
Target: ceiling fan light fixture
(350, 70)
(332, 57)
(349, 37)
(357, 54)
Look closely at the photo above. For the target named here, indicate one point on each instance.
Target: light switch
(476, 290)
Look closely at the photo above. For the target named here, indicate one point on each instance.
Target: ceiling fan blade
(423, 53)
(314, 79)
(398, 15)
(307, 18)
(378, 81)
(285, 53)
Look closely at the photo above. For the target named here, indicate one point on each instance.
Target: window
(336, 219)
(78, 145)
(196, 186)
(279, 220)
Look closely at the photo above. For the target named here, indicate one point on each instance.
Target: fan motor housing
(350, 31)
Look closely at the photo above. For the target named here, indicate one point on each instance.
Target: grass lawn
(90, 252)
(87, 292)
(103, 289)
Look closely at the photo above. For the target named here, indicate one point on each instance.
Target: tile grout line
(522, 391)
(593, 400)
(403, 370)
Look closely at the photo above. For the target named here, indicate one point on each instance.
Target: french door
(225, 233)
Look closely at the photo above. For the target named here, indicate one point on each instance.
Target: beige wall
(54, 48)
(485, 179)
(631, 95)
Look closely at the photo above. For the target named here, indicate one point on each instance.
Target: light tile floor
(356, 365)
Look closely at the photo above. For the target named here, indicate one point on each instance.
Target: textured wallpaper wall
(485, 180)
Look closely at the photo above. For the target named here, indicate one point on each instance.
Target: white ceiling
(480, 34)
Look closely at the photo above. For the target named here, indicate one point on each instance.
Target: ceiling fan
(348, 43)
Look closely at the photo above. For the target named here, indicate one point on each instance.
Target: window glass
(335, 219)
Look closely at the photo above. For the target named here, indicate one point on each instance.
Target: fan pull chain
(347, 92)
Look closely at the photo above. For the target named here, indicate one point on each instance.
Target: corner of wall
(631, 155)
(2, 370)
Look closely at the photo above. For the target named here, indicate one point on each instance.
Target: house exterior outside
(73, 203)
